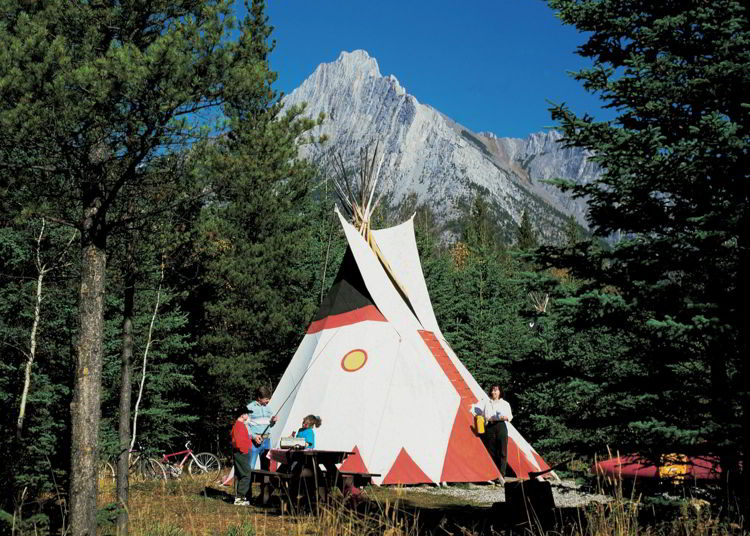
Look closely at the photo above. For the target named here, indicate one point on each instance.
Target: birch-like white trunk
(42, 270)
(145, 358)
(30, 356)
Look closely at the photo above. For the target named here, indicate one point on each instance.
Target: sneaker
(239, 501)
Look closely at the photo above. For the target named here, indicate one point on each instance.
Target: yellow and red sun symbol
(354, 360)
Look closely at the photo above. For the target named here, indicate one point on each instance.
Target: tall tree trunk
(85, 409)
(125, 397)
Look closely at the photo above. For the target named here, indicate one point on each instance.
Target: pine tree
(476, 300)
(572, 232)
(478, 228)
(527, 238)
(580, 376)
(90, 94)
(43, 450)
(675, 185)
(260, 289)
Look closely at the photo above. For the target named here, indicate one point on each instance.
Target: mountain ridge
(428, 156)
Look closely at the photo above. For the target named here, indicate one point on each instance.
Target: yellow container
(479, 423)
(673, 467)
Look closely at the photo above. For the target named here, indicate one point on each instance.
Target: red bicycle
(203, 463)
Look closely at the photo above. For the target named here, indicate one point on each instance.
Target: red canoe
(670, 466)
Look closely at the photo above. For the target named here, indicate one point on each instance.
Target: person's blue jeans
(260, 452)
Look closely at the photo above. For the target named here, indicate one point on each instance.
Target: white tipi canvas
(375, 366)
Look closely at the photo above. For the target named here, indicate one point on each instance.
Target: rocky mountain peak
(430, 159)
(356, 62)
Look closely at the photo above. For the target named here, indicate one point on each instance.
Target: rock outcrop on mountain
(430, 159)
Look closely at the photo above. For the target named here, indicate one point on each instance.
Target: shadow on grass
(212, 493)
(500, 518)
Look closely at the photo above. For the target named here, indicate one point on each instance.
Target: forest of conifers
(153, 205)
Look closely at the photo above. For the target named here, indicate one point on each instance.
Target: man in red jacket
(241, 444)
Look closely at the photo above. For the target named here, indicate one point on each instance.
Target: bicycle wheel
(204, 463)
(105, 471)
(149, 469)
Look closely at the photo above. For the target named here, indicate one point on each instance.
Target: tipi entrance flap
(399, 246)
(381, 289)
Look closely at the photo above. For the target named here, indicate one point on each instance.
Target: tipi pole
(325, 265)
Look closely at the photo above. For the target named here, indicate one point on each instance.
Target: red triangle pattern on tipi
(354, 463)
(405, 471)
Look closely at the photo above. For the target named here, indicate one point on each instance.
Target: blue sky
(491, 65)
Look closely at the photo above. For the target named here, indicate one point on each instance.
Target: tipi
(375, 366)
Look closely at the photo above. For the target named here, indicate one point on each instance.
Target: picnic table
(305, 474)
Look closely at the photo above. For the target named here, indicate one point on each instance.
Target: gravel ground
(566, 494)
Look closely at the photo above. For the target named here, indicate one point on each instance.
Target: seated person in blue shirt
(307, 431)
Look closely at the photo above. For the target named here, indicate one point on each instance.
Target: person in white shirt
(496, 413)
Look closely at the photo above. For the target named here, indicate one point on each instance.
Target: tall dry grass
(631, 513)
(197, 507)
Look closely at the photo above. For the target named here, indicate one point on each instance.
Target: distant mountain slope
(440, 162)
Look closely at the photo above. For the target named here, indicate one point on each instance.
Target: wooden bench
(275, 479)
(267, 475)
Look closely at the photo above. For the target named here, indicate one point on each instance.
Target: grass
(199, 507)
(185, 507)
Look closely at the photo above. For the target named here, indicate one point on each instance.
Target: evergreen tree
(675, 185)
(479, 231)
(148, 365)
(580, 377)
(143, 257)
(260, 288)
(43, 449)
(89, 94)
(164, 412)
(327, 244)
(527, 238)
(572, 232)
(477, 299)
